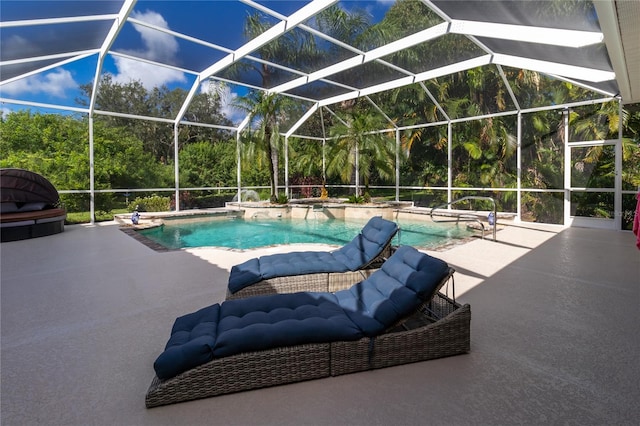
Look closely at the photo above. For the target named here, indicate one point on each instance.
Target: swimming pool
(244, 234)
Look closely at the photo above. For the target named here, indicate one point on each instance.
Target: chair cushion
(266, 322)
(191, 343)
(375, 235)
(299, 263)
(423, 274)
(377, 303)
(405, 280)
(244, 274)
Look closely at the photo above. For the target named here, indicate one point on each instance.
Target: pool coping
(149, 220)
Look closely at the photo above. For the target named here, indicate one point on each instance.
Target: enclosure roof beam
(301, 121)
(76, 56)
(271, 34)
(364, 57)
(117, 25)
(438, 72)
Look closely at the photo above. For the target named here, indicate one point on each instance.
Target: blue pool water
(247, 234)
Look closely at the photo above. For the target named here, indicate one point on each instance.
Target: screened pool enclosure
(427, 101)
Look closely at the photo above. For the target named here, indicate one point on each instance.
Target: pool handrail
(466, 217)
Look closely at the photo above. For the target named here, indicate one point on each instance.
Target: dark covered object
(29, 206)
(23, 186)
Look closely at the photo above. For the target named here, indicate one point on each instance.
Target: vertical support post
(176, 168)
(495, 219)
(449, 163)
(92, 186)
(324, 162)
(286, 165)
(324, 142)
(397, 165)
(357, 171)
(519, 168)
(242, 125)
(617, 200)
(567, 170)
(238, 168)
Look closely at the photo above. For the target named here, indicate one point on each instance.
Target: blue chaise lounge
(395, 316)
(286, 272)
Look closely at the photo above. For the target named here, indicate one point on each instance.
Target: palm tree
(357, 150)
(266, 110)
(306, 155)
(297, 49)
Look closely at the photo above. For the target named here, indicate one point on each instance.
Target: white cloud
(16, 43)
(5, 112)
(54, 83)
(149, 75)
(158, 47)
(227, 98)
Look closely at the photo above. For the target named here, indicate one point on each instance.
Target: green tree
(306, 157)
(57, 147)
(631, 149)
(208, 164)
(158, 137)
(359, 149)
(266, 110)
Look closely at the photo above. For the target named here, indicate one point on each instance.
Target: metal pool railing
(464, 216)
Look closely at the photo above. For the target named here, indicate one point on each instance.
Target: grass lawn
(85, 217)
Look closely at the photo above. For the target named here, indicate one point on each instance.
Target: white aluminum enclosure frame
(478, 32)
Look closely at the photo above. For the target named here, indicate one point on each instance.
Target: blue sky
(218, 22)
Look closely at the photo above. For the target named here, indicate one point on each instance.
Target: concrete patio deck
(555, 336)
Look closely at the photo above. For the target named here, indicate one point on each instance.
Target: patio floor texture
(555, 336)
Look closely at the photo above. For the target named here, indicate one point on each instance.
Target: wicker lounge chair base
(322, 282)
(242, 372)
(419, 338)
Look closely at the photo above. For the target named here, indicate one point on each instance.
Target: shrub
(282, 199)
(104, 202)
(190, 200)
(75, 202)
(154, 203)
(356, 199)
(309, 185)
(187, 201)
(213, 200)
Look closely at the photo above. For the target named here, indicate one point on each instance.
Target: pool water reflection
(247, 234)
